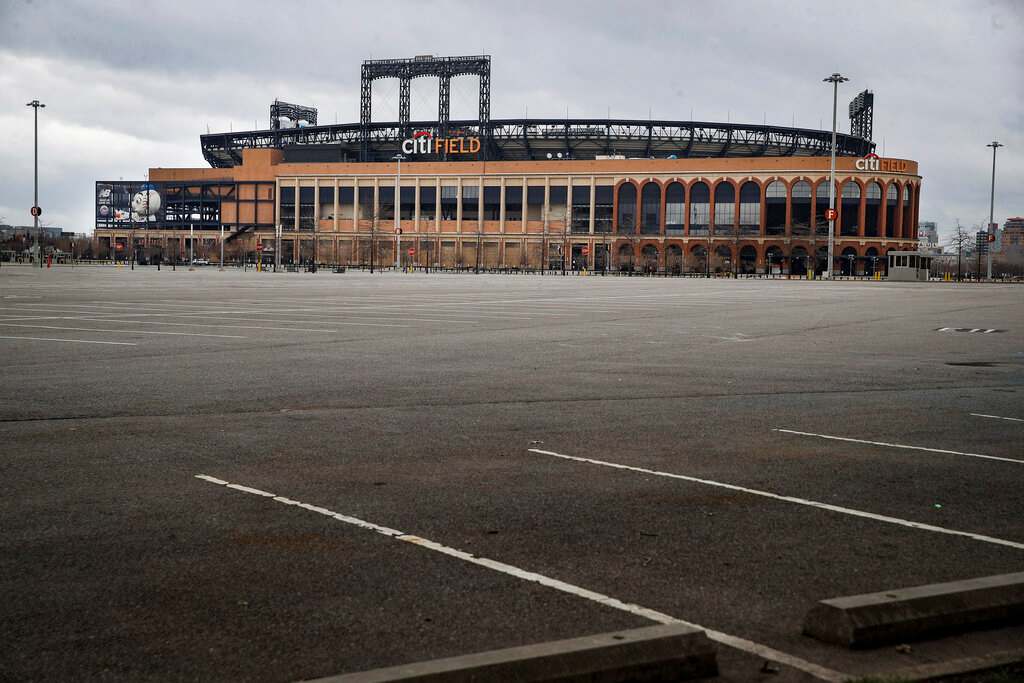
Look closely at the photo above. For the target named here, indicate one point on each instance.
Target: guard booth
(909, 266)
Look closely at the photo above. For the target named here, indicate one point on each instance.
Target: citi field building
(530, 194)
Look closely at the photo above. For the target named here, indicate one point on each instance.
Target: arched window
(873, 199)
(891, 198)
(820, 207)
(851, 207)
(908, 212)
(650, 215)
(800, 207)
(750, 209)
(675, 207)
(627, 208)
(700, 208)
(725, 207)
(775, 208)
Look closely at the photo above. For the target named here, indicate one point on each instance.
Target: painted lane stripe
(820, 672)
(998, 417)
(93, 329)
(790, 499)
(899, 445)
(75, 341)
(240, 327)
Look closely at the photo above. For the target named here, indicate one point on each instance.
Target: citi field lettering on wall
(424, 142)
(873, 162)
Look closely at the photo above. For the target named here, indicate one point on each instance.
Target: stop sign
(411, 252)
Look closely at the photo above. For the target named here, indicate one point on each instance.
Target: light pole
(835, 79)
(36, 105)
(992, 202)
(397, 207)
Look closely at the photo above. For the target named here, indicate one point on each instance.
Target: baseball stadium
(524, 194)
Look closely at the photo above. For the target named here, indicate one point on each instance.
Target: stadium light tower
(36, 105)
(835, 79)
(397, 207)
(992, 201)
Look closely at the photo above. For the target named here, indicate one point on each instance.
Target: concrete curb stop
(654, 653)
(919, 612)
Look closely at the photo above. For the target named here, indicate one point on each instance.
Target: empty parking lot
(227, 475)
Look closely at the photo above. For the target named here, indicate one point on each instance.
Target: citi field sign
(873, 162)
(424, 142)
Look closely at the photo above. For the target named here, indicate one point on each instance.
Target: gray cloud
(131, 85)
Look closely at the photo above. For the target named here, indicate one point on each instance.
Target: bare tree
(959, 241)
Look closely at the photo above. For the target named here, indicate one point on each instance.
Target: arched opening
(872, 262)
(750, 209)
(773, 260)
(800, 208)
(847, 261)
(748, 260)
(722, 260)
(775, 208)
(700, 208)
(821, 262)
(675, 209)
(649, 258)
(908, 211)
(820, 208)
(891, 198)
(674, 259)
(626, 218)
(725, 208)
(872, 209)
(798, 261)
(851, 207)
(698, 259)
(650, 215)
(625, 257)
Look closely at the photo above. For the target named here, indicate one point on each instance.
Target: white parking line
(899, 445)
(757, 649)
(241, 327)
(76, 341)
(789, 499)
(998, 417)
(123, 331)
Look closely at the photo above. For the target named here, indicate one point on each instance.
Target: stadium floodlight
(992, 200)
(36, 106)
(835, 79)
(397, 206)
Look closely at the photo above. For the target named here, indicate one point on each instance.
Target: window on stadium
(750, 209)
(775, 208)
(449, 203)
(651, 209)
(534, 203)
(470, 203)
(892, 196)
(326, 203)
(287, 207)
(580, 209)
(725, 207)
(675, 208)
(386, 202)
(603, 207)
(627, 208)
(492, 203)
(700, 208)
(800, 208)
(851, 207)
(513, 203)
(428, 203)
(873, 200)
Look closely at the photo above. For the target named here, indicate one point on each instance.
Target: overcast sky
(132, 85)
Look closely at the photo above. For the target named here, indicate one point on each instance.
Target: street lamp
(992, 201)
(36, 105)
(397, 206)
(835, 79)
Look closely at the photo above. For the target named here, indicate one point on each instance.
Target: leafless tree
(959, 241)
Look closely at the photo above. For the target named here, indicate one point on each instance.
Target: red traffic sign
(36, 211)
(411, 252)
(991, 237)
(831, 214)
(259, 247)
(119, 247)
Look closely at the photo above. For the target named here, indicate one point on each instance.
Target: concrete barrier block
(919, 612)
(656, 653)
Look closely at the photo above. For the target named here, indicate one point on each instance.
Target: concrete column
(355, 204)
(862, 210)
(789, 208)
(437, 207)
(416, 207)
(523, 213)
(298, 205)
(593, 205)
(335, 213)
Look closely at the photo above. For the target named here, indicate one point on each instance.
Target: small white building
(909, 266)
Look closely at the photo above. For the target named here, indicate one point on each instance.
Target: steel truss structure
(442, 68)
(294, 113)
(534, 139)
(862, 109)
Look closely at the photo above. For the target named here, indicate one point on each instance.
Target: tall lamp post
(992, 201)
(36, 105)
(835, 79)
(397, 207)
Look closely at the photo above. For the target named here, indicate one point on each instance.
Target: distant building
(1013, 233)
(928, 238)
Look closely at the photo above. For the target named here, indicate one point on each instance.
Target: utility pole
(36, 105)
(397, 207)
(992, 202)
(835, 79)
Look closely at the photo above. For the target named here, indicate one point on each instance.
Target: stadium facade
(664, 196)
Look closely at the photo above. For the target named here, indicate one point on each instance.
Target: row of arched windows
(776, 195)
